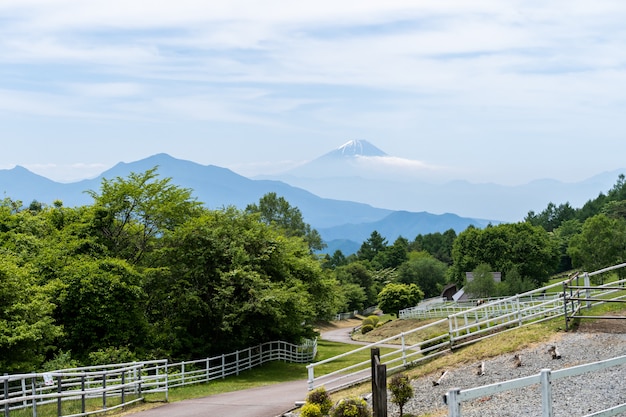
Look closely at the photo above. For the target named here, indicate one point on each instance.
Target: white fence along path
(465, 327)
(89, 390)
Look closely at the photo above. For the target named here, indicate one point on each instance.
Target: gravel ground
(574, 396)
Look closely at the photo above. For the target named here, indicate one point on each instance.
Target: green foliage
(351, 407)
(101, 304)
(61, 360)
(131, 213)
(426, 272)
(483, 285)
(374, 319)
(311, 410)
(601, 243)
(229, 281)
(401, 390)
(27, 328)
(529, 248)
(372, 246)
(438, 245)
(321, 398)
(366, 328)
(277, 212)
(395, 297)
(111, 355)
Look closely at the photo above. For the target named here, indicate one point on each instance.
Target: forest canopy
(147, 272)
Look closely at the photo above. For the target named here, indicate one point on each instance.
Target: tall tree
(601, 243)
(276, 211)
(426, 272)
(27, 327)
(372, 246)
(130, 213)
(530, 248)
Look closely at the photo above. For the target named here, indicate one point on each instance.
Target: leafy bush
(367, 322)
(366, 328)
(374, 319)
(401, 390)
(351, 407)
(320, 397)
(311, 410)
(62, 360)
(111, 355)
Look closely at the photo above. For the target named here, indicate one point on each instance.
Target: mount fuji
(359, 171)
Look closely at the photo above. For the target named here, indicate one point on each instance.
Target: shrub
(351, 407)
(374, 319)
(311, 410)
(62, 360)
(367, 322)
(111, 355)
(366, 328)
(320, 397)
(401, 390)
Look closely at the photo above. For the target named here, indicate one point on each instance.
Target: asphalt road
(269, 401)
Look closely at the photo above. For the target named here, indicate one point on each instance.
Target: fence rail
(471, 324)
(456, 396)
(89, 390)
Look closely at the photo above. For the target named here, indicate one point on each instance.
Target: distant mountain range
(343, 224)
(359, 171)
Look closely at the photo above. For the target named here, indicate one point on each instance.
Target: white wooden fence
(89, 390)
(464, 327)
(456, 396)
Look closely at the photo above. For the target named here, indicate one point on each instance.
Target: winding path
(268, 401)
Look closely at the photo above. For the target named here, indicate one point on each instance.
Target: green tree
(357, 273)
(101, 305)
(401, 390)
(372, 246)
(426, 272)
(482, 285)
(530, 248)
(131, 213)
(601, 243)
(277, 212)
(230, 281)
(27, 328)
(395, 297)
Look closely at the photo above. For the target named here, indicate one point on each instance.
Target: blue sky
(487, 91)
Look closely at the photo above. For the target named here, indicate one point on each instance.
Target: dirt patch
(613, 325)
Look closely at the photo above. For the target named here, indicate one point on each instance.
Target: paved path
(269, 401)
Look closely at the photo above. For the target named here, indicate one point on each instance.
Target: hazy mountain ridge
(219, 187)
(343, 224)
(403, 185)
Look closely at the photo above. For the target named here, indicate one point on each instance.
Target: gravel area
(574, 396)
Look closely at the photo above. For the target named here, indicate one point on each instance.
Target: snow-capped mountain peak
(358, 148)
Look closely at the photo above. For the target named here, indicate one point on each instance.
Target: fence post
(104, 390)
(403, 350)
(59, 390)
(123, 388)
(587, 290)
(379, 384)
(565, 305)
(82, 394)
(452, 399)
(33, 385)
(546, 393)
(311, 377)
(6, 394)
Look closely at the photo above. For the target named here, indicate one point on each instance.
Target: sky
(486, 90)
